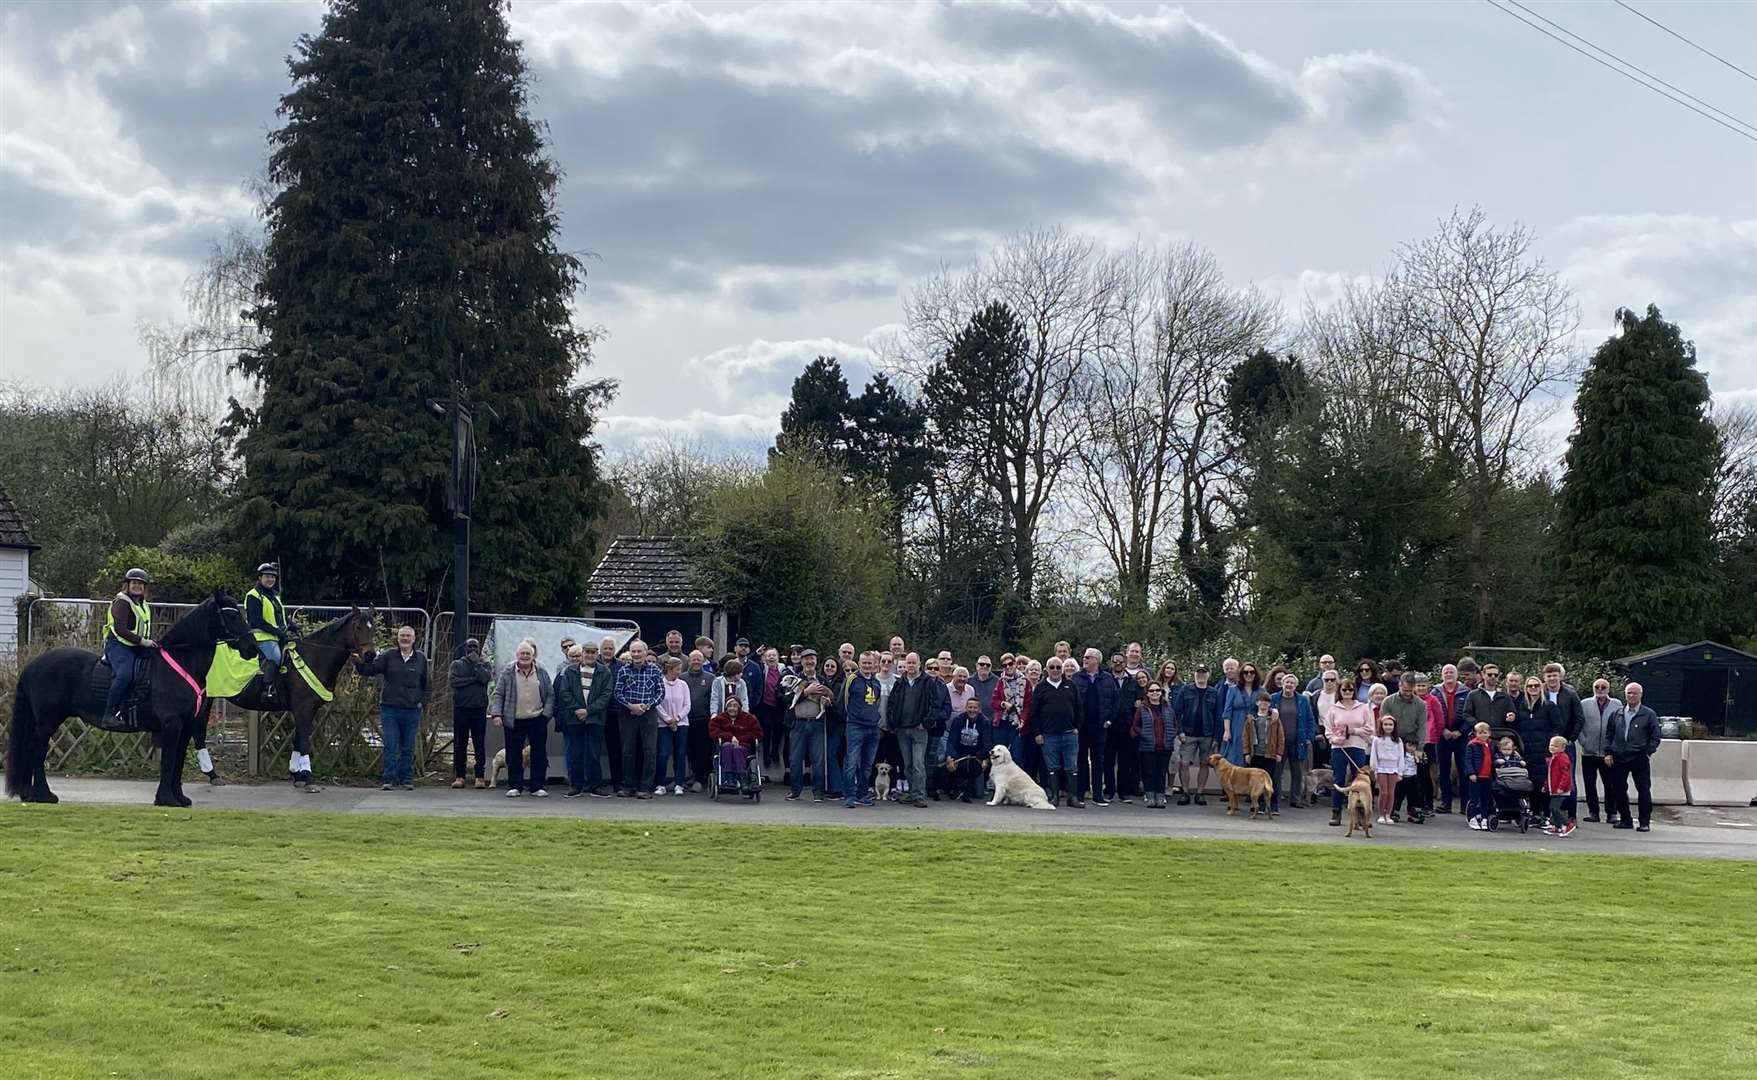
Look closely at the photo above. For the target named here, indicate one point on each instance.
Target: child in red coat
(1561, 784)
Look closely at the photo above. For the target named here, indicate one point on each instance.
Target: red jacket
(1561, 773)
(746, 728)
(1485, 763)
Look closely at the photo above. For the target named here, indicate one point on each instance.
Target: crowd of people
(1089, 729)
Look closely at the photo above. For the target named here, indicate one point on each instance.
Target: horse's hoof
(184, 800)
(162, 801)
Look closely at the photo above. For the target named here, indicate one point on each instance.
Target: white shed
(16, 546)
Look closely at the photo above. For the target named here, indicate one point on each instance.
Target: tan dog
(1237, 782)
(1360, 804)
(1319, 781)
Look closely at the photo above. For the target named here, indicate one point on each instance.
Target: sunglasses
(983, 663)
(1155, 690)
(1329, 678)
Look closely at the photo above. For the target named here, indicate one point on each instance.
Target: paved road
(1678, 832)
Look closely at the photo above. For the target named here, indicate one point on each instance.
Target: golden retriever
(1013, 784)
(1237, 782)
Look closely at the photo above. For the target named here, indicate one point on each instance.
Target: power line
(1624, 74)
(1687, 41)
(1632, 67)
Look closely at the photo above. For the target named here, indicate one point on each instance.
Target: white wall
(15, 566)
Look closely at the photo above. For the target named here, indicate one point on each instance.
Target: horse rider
(127, 636)
(267, 620)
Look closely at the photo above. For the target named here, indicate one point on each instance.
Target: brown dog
(1237, 782)
(1360, 804)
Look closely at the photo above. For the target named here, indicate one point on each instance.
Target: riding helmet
(136, 574)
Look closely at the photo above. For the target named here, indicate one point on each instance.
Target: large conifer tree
(1635, 543)
(413, 236)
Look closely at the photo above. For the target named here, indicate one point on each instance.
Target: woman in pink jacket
(1348, 725)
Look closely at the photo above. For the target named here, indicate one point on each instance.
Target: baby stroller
(750, 785)
(1512, 785)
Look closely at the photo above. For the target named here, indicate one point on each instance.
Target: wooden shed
(16, 546)
(1712, 684)
(648, 580)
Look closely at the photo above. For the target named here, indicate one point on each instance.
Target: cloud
(719, 431)
(1700, 270)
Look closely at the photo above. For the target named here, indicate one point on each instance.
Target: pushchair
(750, 784)
(1512, 787)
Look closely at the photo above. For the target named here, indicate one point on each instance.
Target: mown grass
(227, 944)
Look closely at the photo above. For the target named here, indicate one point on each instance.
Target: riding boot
(1072, 785)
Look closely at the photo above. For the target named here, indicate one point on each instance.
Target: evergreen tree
(1635, 554)
(413, 239)
(816, 423)
(888, 445)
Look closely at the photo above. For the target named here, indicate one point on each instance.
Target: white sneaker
(1476, 823)
(677, 789)
(513, 793)
(660, 790)
(540, 793)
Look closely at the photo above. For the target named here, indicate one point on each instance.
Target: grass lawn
(136, 942)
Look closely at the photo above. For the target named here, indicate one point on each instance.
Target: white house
(15, 570)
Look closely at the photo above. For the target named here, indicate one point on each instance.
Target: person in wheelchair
(736, 733)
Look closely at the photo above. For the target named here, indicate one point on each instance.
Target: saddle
(98, 689)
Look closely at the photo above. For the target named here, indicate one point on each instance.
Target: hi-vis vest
(271, 613)
(143, 620)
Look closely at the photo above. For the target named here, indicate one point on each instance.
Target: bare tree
(999, 350)
(662, 488)
(1735, 482)
(1486, 330)
(1151, 449)
(194, 359)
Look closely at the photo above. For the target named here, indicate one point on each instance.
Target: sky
(757, 184)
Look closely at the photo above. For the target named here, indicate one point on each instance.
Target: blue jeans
(1345, 761)
(1090, 758)
(863, 740)
(573, 742)
(806, 743)
(400, 726)
(121, 658)
(1482, 797)
(936, 759)
(673, 748)
(271, 649)
(1061, 752)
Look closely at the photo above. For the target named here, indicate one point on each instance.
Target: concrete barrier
(1720, 772)
(1668, 774)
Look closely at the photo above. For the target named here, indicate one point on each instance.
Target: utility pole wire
(1687, 41)
(1625, 74)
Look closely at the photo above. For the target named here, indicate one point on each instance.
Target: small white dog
(1011, 784)
(881, 783)
(499, 768)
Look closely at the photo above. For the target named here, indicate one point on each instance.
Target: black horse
(326, 651)
(58, 684)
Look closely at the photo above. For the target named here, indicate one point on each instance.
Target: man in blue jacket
(865, 717)
(1098, 698)
(1198, 717)
(1630, 742)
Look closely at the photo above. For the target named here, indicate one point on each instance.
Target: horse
(58, 684)
(326, 651)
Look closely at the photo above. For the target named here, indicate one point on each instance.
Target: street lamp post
(461, 496)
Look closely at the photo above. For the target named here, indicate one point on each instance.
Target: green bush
(176, 579)
(799, 555)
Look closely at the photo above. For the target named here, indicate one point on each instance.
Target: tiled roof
(13, 534)
(645, 570)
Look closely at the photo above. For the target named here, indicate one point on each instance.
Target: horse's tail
(18, 750)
